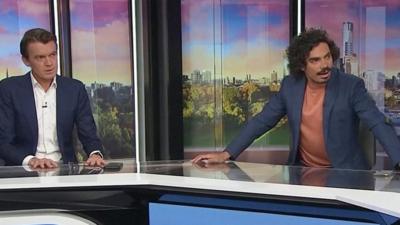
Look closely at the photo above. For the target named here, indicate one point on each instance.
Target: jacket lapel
(28, 100)
(298, 97)
(329, 100)
(59, 111)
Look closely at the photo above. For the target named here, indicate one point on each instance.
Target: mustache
(324, 70)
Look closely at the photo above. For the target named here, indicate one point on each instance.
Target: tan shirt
(312, 145)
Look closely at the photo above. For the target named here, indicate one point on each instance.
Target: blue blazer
(346, 103)
(18, 120)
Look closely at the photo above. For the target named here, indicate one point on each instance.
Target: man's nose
(325, 63)
(48, 61)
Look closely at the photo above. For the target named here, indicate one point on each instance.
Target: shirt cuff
(96, 152)
(26, 160)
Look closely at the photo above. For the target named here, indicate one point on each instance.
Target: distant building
(196, 77)
(96, 85)
(206, 77)
(374, 82)
(350, 64)
(248, 77)
(347, 34)
(274, 76)
(116, 86)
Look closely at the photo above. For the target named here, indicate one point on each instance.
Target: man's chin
(50, 75)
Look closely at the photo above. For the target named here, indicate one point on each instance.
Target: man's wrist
(227, 155)
(96, 152)
(26, 160)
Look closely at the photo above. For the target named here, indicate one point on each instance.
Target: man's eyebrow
(314, 58)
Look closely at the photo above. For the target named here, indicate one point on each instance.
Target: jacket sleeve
(270, 115)
(9, 151)
(87, 131)
(376, 121)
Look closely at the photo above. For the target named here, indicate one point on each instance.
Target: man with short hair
(324, 107)
(39, 110)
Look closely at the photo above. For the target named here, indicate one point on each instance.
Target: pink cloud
(326, 15)
(274, 31)
(8, 5)
(387, 3)
(2, 30)
(197, 21)
(38, 10)
(99, 11)
(102, 54)
(267, 7)
(392, 32)
(392, 57)
(196, 12)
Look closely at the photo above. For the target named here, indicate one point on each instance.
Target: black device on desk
(109, 167)
(113, 167)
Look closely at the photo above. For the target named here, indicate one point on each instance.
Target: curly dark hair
(35, 35)
(300, 48)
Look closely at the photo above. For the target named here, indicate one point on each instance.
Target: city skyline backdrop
(376, 29)
(235, 37)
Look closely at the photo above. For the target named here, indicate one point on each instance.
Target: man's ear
(26, 61)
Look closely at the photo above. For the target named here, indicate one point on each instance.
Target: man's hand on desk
(223, 167)
(36, 163)
(95, 160)
(215, 157)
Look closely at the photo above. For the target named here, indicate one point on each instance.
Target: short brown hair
(35, 35)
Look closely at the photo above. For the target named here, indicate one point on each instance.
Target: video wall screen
(16, 17)
(367, 33)
(233, 56)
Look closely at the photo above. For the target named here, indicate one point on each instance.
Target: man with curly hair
(324, 107)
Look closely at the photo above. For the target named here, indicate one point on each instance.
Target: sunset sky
(17, 16)
(99, 30)
(100, 41)
(236, 37)
(331, 14)
(249, 36)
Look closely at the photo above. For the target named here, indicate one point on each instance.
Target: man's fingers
(50, 163)
(42, 163)
(200, 157)
(95, 162)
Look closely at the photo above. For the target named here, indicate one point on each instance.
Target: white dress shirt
(45, 102)
(46, 112)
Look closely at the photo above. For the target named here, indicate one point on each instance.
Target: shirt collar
(35, 83)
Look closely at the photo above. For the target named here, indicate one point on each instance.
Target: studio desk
(179, 192)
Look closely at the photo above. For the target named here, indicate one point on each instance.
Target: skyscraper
(349, 58)
(347, 30)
